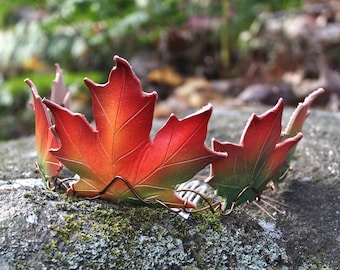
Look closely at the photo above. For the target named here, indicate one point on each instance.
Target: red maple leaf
(48, 164)
(117, 158)
(294, 126)
(250, 166)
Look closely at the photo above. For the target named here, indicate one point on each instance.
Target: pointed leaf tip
(32, 87)
(59, 93)
(300, 114)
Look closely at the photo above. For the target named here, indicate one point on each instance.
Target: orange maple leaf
(48, 164)
(117, 160)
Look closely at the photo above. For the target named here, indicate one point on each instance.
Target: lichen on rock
(51, 230)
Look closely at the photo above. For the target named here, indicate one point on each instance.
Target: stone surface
(50, 230)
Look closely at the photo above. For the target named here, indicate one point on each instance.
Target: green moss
(319, 264)
(28, 194)
(53, 244)
(20, 265)
(209, 220)
(120, 236)
(110, 223)
(73, 224)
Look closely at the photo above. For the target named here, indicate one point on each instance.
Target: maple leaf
(295, 126)
(250, 166)
(300, 114)
(117, 159)
(48, 164)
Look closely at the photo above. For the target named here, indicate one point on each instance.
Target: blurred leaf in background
(83, 35)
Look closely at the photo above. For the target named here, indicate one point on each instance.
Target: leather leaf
(295, 126)
(49, 165)
(119, 146)
(254, 161)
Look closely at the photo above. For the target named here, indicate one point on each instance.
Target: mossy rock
(50, 230)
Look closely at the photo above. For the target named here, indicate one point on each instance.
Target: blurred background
(232, 53)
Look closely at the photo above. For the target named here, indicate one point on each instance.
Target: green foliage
(85, 34)
(82, 34)
(12, 88)
(77, 34)
(9, 9)
(243, 14)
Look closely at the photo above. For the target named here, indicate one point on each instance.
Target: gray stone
(40, 229)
